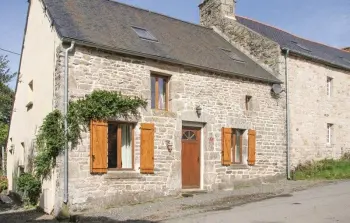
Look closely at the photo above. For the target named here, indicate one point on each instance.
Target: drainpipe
(65, 111)
(286, 54)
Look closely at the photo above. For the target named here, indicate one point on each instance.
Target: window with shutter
(251, 147)
(234, 152)
(147, 148)
(112, 146)
(98, 147)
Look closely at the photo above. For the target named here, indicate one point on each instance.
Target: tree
(6, 97)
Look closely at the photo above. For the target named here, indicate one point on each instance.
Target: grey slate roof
(108, 24)
(307, 48)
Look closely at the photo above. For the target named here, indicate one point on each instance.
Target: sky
(325, 21)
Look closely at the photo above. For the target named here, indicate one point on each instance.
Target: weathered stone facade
(223, 101)
(310, 107)
(220, 14)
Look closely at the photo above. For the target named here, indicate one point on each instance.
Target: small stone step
(192, 192)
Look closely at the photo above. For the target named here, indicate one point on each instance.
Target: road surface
(325, 204)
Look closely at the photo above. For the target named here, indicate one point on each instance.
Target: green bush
(346, 156)
(324, 169)
(30, 187)
(3, 183)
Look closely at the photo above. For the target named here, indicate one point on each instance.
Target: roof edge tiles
(169, 60)
(289, 33)
(316, 51)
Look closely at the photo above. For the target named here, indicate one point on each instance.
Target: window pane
(112, 146)
(161, 94)
(144, 34)
(238, 147)
(153, 92)
(126, 146)
(189, 135)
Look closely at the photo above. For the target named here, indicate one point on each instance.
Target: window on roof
(144, 34)
(233, 56)
(301, 46)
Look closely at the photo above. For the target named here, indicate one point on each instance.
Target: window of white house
(329, 133)
(248, 102)
(120, 146)
(159, 92)
(329, 86)
(237, 146)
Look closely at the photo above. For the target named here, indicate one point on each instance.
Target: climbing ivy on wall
(100, 105)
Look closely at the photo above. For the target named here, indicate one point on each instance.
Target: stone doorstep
(192, 192)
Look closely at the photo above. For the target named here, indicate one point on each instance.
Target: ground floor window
(237, 146)
(120, 146)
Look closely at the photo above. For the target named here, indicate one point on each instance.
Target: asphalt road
(317, 205)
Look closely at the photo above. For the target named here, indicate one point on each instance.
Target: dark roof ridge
(243, 17)
(157, 13)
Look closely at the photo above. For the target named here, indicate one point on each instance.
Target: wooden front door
(191, 143)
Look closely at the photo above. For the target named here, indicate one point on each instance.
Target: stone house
(211, 119)
(318, 79)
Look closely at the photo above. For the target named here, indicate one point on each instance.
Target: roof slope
(109, 24)
(299, 45)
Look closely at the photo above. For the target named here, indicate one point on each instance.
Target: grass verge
(329, 169)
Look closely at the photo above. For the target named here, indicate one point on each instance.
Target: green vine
(100, 105)
(50, 142)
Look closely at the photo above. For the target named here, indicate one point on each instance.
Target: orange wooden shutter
(226, 146)
(147, 148)
(98, 147)
(251, 147)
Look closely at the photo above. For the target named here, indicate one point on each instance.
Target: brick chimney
(213, 12)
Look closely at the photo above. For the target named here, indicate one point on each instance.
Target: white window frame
(329, 133)
(329, 86)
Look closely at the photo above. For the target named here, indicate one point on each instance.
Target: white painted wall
(38, 64)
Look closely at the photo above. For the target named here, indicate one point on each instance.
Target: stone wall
(223, 101)
(311, 110)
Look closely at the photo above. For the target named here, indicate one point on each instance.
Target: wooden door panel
(191, 158)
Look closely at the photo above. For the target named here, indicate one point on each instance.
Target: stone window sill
(123, 175)
(239, 166)
(163, 113)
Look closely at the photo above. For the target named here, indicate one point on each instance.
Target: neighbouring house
(318, 80)
(211, 118)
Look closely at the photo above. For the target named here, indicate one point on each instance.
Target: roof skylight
(144, 34)
(301, 46)
(232, 55)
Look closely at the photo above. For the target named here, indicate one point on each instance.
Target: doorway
(190, 157)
